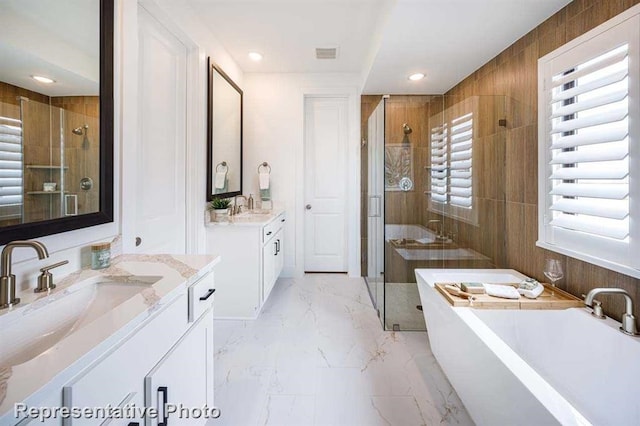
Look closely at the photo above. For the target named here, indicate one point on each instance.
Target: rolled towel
(529, 290)
(503, 291)
(220, 180)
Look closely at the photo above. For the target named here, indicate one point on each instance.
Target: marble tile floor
(317, 355)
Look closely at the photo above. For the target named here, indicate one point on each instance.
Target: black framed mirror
(224, 135)
(56, 117)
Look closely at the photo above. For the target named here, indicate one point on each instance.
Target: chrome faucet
(439, 228)
(7, 279)
(628, 320)
(236, 208)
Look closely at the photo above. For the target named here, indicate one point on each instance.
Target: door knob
(308, 206)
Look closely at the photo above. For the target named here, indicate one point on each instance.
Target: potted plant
(220, 209)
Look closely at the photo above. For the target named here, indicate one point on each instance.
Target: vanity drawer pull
(269, 233)
(165, 419)
(209, 294)
(282, 220)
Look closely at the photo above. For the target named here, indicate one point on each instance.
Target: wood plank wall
(513, 73)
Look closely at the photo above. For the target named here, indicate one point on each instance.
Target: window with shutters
(10, 168)
(451, 168)
(588, 146)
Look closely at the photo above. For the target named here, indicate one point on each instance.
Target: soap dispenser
(250, 202)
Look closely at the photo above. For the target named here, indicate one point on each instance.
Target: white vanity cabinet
(170, 354)
(252, 253)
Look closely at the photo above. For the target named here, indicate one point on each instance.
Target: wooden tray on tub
(551, 298)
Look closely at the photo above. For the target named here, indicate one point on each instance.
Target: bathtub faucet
(439, 228)
(628, 320)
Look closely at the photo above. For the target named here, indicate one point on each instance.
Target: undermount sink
(251, 216)
(31, 330)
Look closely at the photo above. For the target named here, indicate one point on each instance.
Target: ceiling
(382, 40)
(287, 32)
(449, 39)
(59, 40)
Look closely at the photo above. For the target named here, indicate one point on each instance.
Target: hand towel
(265, 194)
(503, 291)
(220, 180)
(264, 180)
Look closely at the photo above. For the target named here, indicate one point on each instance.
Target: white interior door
(325, 223)
(160, 222)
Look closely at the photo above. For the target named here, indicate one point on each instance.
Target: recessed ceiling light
(255, 56)
(417, 76)
(41, 79)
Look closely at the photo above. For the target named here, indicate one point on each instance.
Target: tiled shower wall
(407, 207)
(489, 181)
(513, 73)
(81, 155)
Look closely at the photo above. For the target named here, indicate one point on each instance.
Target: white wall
(274, 132)
(181, 20)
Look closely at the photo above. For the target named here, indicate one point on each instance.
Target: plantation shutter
(590, 146)
(461, 141)
(439, 167)
(589, 131)
(10, 167)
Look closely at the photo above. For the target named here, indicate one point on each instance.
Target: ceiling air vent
(326, 52)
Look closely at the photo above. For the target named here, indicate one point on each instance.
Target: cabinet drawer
(201, 296)
(273, 227)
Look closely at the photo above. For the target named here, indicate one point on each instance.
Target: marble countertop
(32, 381)
(246, 218)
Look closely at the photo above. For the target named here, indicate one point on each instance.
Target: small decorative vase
(219, 215)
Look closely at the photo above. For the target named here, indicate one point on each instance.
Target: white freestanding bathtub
(519, 367)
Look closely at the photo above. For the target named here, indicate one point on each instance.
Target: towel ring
(265, 164)
(223, 164)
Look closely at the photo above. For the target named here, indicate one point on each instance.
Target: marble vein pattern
(74, 339)
(317, 355)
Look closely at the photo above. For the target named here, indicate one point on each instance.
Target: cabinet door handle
(133, 424)
(278, 245)
(269, 233)
(275, 244)
(165, 400)
(209, 294)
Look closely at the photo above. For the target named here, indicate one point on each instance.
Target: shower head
(407, 131)
(80, 130)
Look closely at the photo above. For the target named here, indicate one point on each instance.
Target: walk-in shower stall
(49, 156)
(433, 194)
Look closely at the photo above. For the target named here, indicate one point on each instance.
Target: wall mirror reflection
(224, 157)
(55, 152)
